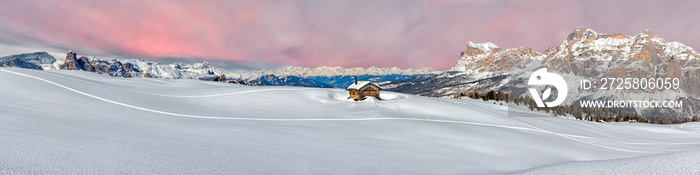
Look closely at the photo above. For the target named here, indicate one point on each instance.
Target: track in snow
(534, 129)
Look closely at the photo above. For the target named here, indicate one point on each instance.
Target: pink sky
(352, 33)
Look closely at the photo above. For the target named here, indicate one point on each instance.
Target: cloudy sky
(348, 33)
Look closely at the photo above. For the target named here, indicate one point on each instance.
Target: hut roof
(359, 85)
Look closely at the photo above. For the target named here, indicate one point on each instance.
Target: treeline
(491, 95)
(588, 114)
(222, 78)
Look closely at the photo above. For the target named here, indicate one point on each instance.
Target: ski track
(533, 128)
(256, 119)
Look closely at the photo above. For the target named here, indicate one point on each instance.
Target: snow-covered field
(74, 122)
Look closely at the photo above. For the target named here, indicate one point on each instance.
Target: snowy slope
(75, 122)
(672, 163)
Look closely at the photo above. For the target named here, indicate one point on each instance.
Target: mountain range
(324, 77)
(337, 77)
(583, 55)
(330, 71)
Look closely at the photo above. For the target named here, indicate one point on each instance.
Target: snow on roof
(359, 85)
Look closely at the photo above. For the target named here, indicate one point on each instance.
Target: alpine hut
(360, 90)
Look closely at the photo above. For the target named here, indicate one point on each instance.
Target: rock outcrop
(71, 62)
(129, 68)
(112, 68)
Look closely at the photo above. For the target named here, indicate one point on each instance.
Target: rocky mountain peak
(582, 35)
(139, 68)
(584, 54)
(479, 48)
(581, 44)
(647, 32)
(71, 62)
(203, 65)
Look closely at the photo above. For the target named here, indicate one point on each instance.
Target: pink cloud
(407, 34)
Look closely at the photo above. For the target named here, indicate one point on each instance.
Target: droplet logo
(542, 77)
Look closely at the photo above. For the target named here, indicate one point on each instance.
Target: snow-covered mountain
(136, 68)
(338, 77)
(77, 122)
(272, 80)
(584, 54)
(329, 72)
(581, 45)
(286, 76)
(37, 58)
(27, 60)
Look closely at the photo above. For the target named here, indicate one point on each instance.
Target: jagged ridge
(584, 54)
(138, 68)
(329, 72)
